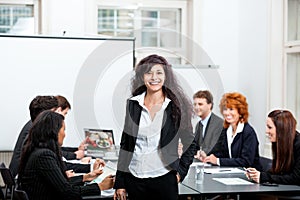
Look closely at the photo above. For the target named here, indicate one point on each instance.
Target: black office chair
(20, 195)
(1, 194)
(8, 180)
(266, 163)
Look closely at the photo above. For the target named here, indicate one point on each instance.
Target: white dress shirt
(147, 159)
(204, 123)
(231, 137)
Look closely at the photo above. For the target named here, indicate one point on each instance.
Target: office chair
(20, 195)
(8, 180)
(266, 163)
(1, 194)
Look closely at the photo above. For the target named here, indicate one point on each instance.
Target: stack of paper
(233, 181)
(223, 170)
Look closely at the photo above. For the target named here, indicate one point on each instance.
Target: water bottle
(199, 174)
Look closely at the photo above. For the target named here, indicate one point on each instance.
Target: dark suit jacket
(244, 149)
(170, 134)
(290, 178)
(43, 179)
(212, 133)
(77, 167)
(15, 160)
(68, 152)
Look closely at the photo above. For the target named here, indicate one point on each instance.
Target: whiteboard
(87, 71)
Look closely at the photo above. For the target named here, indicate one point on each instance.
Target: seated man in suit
(210, 126)
(70, 153)
(37, 105)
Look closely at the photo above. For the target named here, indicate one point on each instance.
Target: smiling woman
(157, 115)
(281, 128)
(237, 145)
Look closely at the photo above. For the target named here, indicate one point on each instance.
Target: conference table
(220, 181)
(232, 181)
(184, 191)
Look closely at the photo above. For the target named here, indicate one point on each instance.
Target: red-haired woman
(237, 145)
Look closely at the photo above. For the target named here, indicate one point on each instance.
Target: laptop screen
(99, 142)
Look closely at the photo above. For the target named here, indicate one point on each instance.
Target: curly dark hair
(182, 111)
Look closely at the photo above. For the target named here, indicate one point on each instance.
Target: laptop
(100, 143)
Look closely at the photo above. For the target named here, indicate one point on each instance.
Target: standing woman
(281, 130)
(42, 172)
(157, 115)
(237, 145)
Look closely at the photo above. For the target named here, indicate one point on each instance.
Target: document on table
(233, 181)
(109, 169)
(223, 170)
(200, 164)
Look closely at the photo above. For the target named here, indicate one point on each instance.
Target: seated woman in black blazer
(237, 145)
(41, 172)
(281, 130)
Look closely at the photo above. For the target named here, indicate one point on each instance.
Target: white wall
(235, 35)
(219, 37)
(78, 69)
(253, 61)
(63, 15)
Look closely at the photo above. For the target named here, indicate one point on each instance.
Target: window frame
(91, 27)
(289, 47)
(36, 10)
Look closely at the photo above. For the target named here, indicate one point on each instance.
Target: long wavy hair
(282, 149)
(43, 134)
(237, 101)
(182, 111)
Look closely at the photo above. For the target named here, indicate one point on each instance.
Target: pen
(224, 170)
(247, 170)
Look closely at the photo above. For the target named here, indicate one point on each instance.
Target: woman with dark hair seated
(282, 133)
(42, 172)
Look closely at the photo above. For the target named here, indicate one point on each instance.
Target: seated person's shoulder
(43, 152)
(248, 129)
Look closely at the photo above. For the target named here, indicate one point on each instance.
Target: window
(154, 25)
(19, 17)
(292, 57)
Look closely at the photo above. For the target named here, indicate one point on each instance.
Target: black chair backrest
(20, 195)
(1, 194)
(9, 181)
(7, 177)
(266, 163)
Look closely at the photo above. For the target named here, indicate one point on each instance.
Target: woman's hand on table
(120, 194)
(252, 174)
